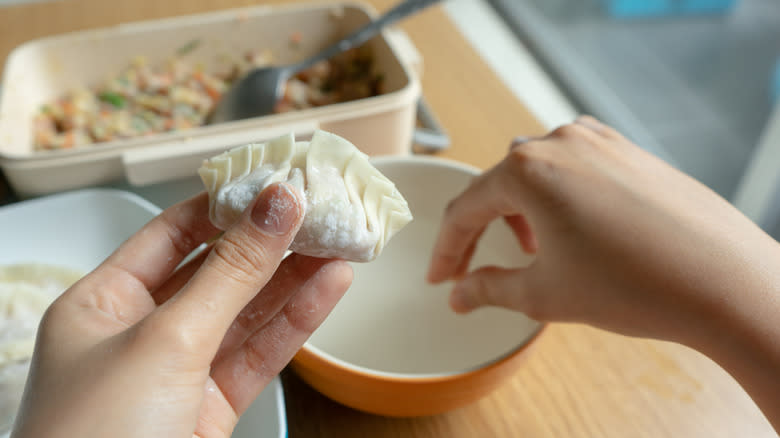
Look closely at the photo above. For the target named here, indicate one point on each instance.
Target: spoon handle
(360, 36)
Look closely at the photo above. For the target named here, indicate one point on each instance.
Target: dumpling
(351, 209)
(26, 290)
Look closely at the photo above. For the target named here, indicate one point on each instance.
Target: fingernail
(277, 210)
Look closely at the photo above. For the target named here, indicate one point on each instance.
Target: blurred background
(693, 81)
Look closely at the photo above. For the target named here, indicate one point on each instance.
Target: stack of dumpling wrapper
(352, 210)
(26, 291)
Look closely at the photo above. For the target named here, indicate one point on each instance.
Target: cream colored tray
(44, 69)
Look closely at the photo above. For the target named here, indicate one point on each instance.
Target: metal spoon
(257, 93)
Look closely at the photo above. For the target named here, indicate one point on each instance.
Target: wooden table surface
(579, 382)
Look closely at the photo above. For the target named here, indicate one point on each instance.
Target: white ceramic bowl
(392, 346)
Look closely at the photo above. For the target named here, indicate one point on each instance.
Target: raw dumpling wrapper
(26, 290)
(352, 210)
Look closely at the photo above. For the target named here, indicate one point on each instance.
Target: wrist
(741, 332)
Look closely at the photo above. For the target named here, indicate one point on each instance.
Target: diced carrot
(213, 93)
(69, 140)
(296, 38)
(68, 108)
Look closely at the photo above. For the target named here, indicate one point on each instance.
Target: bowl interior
(392, 321)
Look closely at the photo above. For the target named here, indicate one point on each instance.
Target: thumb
(240, 263)
(490, 286)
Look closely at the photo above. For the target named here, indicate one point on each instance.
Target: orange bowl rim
(416, 378)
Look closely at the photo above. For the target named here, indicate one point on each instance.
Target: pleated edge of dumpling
(218, 170)
(398, 215)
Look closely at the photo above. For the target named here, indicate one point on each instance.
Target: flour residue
(26, 291)
(279, 206)
(334, 224)
(234, 197)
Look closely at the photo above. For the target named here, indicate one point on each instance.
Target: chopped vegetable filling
(144, 100)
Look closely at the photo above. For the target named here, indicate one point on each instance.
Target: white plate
(79, 230)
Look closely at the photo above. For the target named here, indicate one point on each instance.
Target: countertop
(579, 381)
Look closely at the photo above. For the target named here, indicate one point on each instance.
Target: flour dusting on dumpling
(352, 210)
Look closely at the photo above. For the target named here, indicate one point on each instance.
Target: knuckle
(166, 336)
(182, 239)
(481, 291)
(487, 290)
(257, 355)
(578, 140)
(209, 425)
(569, 131)
(525, 153)
(532, 164)
(242, 260)
(300, 316)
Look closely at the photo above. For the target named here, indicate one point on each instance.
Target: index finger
(239, 265)
(464, 220)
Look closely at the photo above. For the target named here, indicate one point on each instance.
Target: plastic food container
(44, 69)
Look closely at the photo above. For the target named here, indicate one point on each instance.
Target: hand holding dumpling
(138, 348)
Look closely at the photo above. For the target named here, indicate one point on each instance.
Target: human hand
(623, 241)
(139, 349)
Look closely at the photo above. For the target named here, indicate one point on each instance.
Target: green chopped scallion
(189, 47)
(113, 98)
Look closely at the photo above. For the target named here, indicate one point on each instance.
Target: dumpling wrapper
(351, 209)
(26, 291)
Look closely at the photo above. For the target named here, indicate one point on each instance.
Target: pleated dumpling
(352, 210)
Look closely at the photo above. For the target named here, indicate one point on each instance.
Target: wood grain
(580, 381)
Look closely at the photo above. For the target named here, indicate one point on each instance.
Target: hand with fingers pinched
(625, 242)
(138, 348)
